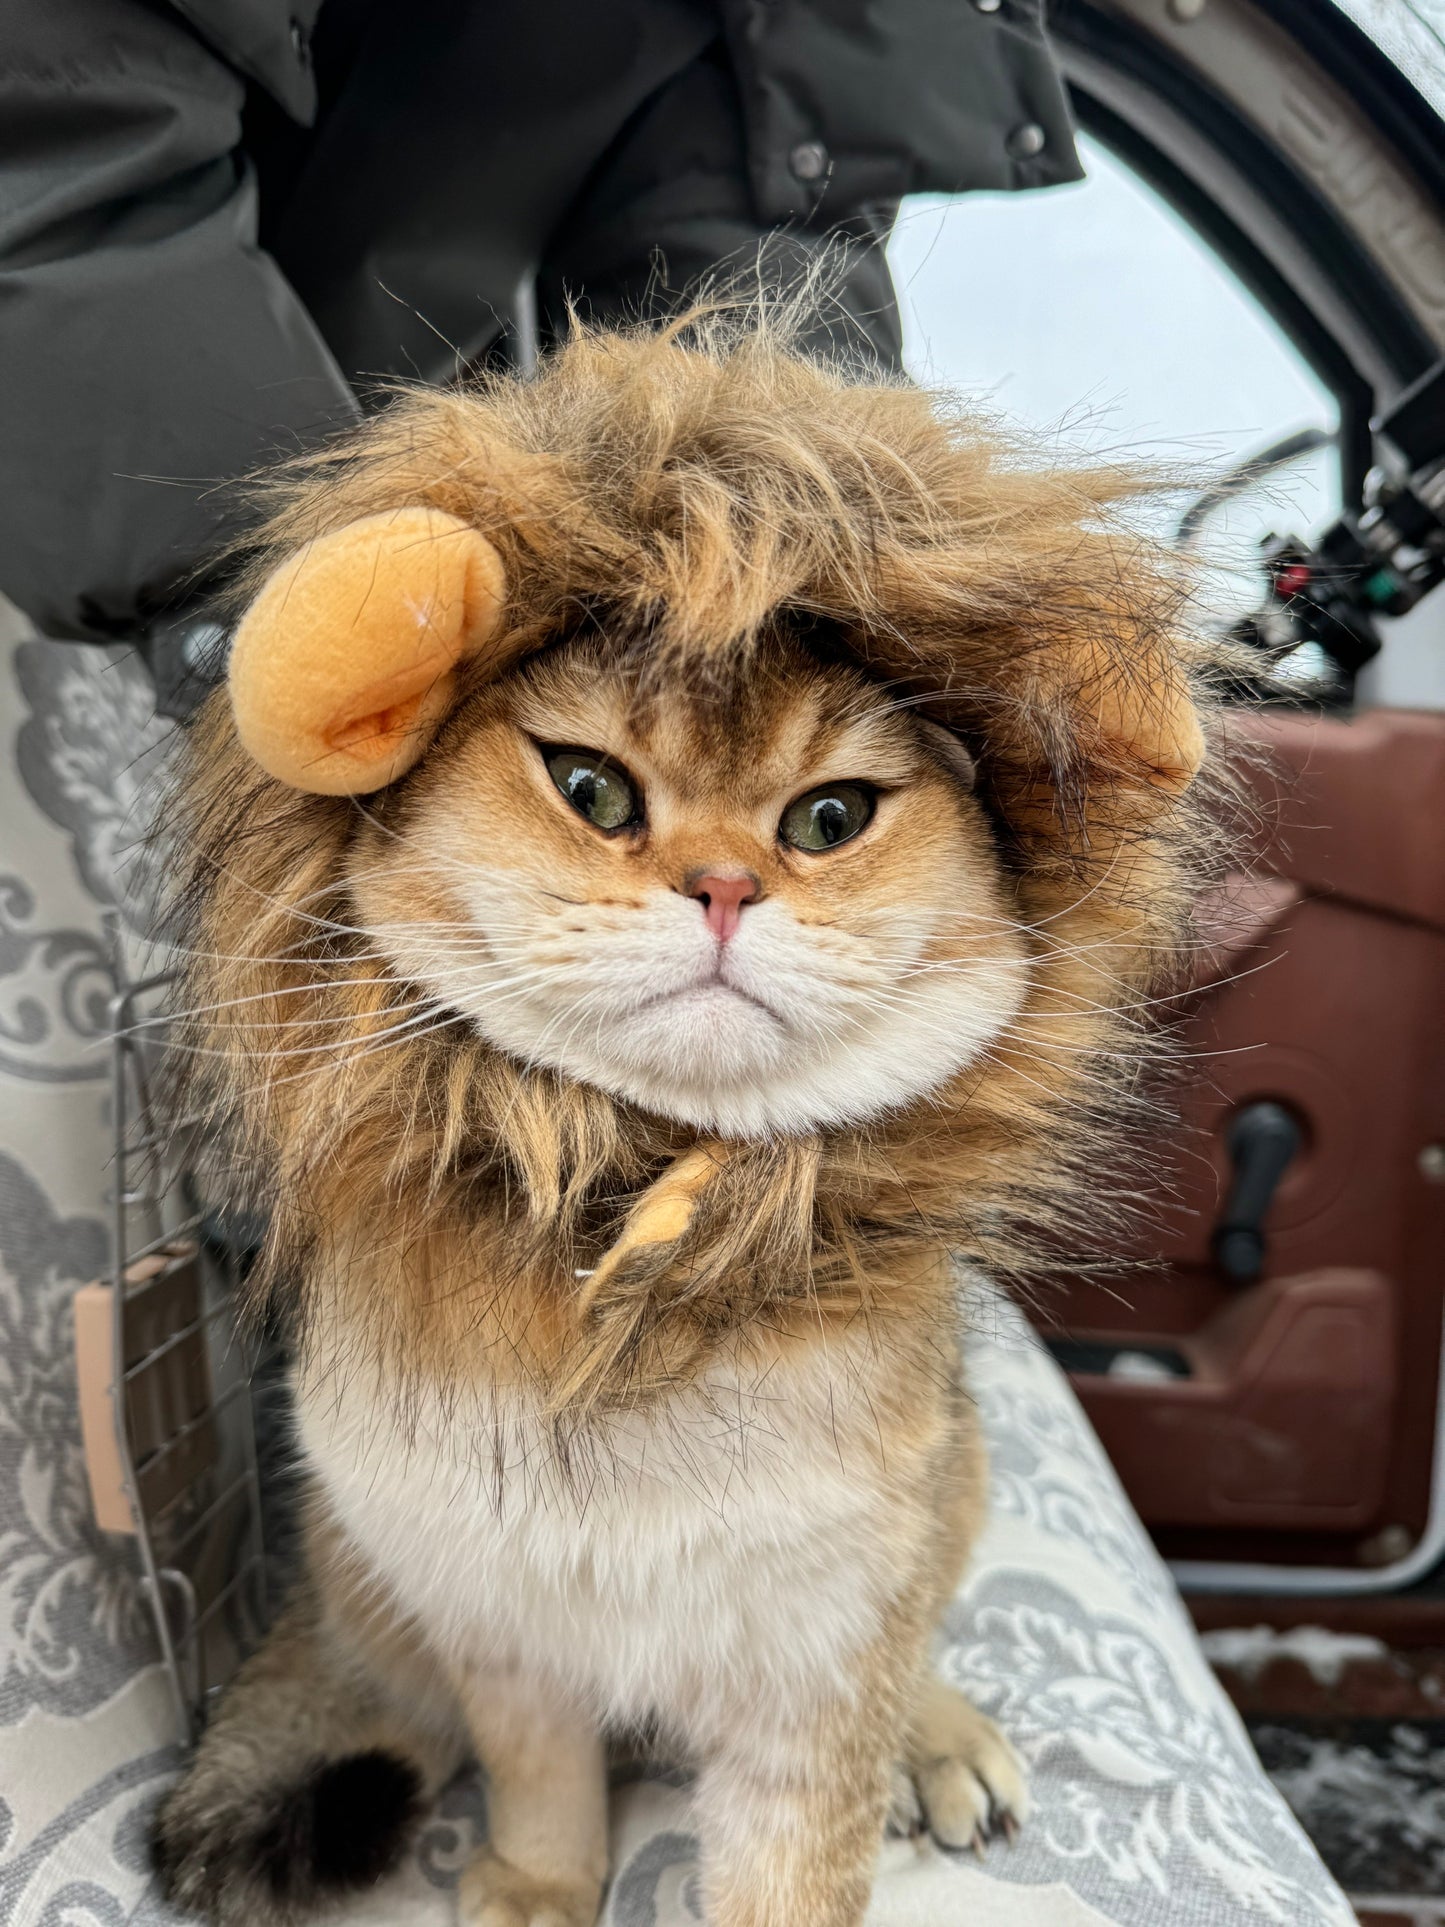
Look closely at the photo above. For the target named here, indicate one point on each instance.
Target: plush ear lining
(344, 667)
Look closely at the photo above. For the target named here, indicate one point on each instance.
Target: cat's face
(766, 912)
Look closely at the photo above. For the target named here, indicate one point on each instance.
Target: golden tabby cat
(757, 933)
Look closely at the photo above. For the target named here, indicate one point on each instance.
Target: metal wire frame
(155, 1211)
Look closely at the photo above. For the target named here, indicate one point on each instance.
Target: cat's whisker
(365, 1039)
(382, 978)
(306, 1074)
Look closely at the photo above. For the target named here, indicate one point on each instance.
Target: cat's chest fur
(738, 1533)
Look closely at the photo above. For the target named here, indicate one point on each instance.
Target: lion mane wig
(684, 495)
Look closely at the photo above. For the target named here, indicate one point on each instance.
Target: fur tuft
(342, 1825)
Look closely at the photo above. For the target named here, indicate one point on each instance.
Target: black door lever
(1262, 1140)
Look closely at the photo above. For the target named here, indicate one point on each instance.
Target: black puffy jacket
(222, 220)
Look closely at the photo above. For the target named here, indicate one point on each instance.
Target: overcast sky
(1095, 306)
(1093, 311)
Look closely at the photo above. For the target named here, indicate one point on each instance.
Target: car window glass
(1094, 316)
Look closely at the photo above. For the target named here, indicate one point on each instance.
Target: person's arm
(149, 350)
(668, 214)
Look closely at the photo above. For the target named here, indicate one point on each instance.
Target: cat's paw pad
(496, 1894)
(969, 1781)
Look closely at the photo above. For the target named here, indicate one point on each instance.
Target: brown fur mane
(692, 488)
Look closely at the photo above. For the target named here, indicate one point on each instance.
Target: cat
(752, 940)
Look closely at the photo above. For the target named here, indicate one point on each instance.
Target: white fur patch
(719, 1554)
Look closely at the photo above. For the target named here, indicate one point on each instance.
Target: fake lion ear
(1141, 724)
(345, 665)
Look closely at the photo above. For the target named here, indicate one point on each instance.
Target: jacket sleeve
(151, 351)
(850, 101)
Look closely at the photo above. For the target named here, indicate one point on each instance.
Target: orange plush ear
(1142, 721)
(344, 666)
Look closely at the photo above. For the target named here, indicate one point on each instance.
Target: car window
(1094, 317)
(1093, 314)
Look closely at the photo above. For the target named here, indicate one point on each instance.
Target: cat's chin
(701, 1041)
(731, 1069)
(721, 1010)
(780, 1105)
(720, 1059)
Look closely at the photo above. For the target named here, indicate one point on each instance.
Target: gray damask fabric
(1150, 1808)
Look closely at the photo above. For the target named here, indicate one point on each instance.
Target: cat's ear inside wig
(346, 663)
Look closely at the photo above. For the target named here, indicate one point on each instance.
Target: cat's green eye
(826, 817)
(595, 787)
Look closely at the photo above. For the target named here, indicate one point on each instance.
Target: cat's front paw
(496, 1894)
(965, 1780)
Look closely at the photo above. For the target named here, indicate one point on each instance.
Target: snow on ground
(1374, 1805)
(1247, 1650)
(1368, 1789)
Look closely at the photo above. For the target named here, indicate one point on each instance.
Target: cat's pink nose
(722, 895)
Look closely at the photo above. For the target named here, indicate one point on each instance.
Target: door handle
(1263, 1138)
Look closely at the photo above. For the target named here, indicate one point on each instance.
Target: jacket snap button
(987, 6)
(1026, 140)
(809, 160)
(300, 40)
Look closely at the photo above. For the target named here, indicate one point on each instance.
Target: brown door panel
(1293, 1416)
(1284, 1419)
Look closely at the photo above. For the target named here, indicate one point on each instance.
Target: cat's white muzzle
(787, 1027)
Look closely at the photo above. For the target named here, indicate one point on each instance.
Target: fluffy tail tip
(341, 1825)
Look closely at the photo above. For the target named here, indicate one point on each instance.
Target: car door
(1254, 271)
